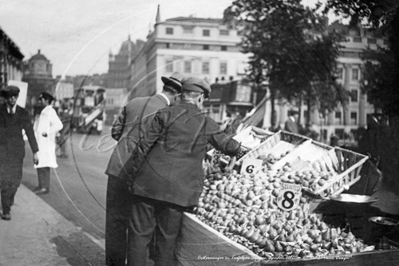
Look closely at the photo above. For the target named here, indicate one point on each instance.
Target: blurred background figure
(62, 137)
(291, 125)
(46, 127)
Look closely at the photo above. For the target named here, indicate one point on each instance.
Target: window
(223, 48)
(355, 74)
(338, 115)
(205, 67)
(224, 32)
(371, 40)
(206, 33)
(167, 45)
(340, 73)
(354, 96)
(187, 66)
(169, 31)
(169, 66)
(354, 118)
(205, 47)
(357, 39)
(223, 68)
(188, 29)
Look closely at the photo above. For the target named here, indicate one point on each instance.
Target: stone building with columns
(201, 47)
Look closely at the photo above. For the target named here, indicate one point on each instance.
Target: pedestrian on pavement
(13, 119)
(166, 176)
(46, 127)
(62, 136)
(127, 130)
(291, 125)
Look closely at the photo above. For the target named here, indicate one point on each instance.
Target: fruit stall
(261, 209)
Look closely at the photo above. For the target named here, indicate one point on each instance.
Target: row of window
(190, 30)
(207, 47)
(355, 73)
(187, 67)
(338, 117)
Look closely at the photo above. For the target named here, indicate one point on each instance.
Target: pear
(318, 239)
(326, 245)
(350, 236)
(259, 220)
(333, 233)
(272, 233)
(281, 238)
(262, 243)
(269, 247)
(254, 237)
(248, 233)
(278, 247)
(326, 235)
(314, 247)
(290, 238)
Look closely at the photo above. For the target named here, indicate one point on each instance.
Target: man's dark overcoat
(12, 144)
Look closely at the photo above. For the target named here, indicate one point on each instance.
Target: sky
(77, 35)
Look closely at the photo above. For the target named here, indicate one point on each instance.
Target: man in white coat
(46, 127)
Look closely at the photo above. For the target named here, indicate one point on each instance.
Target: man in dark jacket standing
(13, 119)
(166, 175)
(127, 130)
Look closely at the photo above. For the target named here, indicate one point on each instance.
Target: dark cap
(174, 80)
(196, 84)
(10, 90)
(47, 96)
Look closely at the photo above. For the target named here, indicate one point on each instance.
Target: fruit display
(245, 209)
(250, 137)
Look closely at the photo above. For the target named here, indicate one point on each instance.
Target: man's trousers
(43, 175)
(116, 221)
(146, 217)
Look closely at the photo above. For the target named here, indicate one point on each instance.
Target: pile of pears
(244, 208)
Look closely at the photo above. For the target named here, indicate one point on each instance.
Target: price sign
(289, 197)
(251, 166)
(215, 158)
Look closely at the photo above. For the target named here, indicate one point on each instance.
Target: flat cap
(174, 80)
(196, 84)
(10, 90)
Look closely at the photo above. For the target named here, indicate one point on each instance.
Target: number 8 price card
(289, 197)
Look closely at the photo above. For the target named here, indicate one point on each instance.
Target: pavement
(38, 235)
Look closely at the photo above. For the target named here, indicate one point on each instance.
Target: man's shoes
(36, 189)
(6, 216)
(42, 191)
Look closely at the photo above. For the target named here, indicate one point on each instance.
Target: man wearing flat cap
(127, 130)
(13, 119)
(46, 127)
(166, 176)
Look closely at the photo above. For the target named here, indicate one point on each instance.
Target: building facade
(345, 120)
(10, 60)
(200, 47)
(38, 74)
(119, 64)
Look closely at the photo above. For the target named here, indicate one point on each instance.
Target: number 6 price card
(251, 166)
(289, 197)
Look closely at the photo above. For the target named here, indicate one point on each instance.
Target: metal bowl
(384, 221)
(354, 198)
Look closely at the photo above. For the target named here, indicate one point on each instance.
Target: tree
(290, 48)
(381, 66)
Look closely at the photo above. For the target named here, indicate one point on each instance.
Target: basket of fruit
(333, 173)
(250, 138)
(275, 147)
